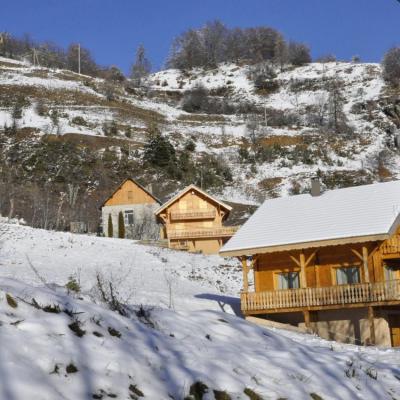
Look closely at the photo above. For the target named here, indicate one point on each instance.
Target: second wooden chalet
(328, 261)
(193, 221)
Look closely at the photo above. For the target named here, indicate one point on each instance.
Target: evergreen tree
(158, 151)
(121, 226)
(141, 67)
(110, 226)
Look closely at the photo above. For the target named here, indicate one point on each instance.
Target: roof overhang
(304, 245)
(184, 191)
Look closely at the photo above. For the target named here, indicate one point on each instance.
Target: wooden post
(303, 279)
(371, 324)
(306, 314)
(245, 274)
(365, 264)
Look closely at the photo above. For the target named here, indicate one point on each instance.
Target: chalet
(326, 261)
(193, 221)
(137, 205)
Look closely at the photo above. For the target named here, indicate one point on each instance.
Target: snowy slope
(83, 350)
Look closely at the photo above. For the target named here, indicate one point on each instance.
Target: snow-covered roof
(187, 189)
(350, 215)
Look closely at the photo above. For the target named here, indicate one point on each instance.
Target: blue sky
(112, 29)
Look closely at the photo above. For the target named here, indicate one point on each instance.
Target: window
(391, 271)
(288, 280)
(129, 217)
(347, 276)
(130, 195)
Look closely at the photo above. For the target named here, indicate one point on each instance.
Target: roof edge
(304, 245)
(185, 190)
(136, 183)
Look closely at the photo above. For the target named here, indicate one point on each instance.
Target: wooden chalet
(193, 221)
(137, 205)
(326, 261)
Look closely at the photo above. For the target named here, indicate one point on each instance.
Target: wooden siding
(129, 193)
(194, 222)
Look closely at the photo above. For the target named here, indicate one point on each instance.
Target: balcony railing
(184, 215)
(226, 231)
(274, 301)
(391, 246)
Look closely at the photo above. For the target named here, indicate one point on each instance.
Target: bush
(79, 121)
(73, 285)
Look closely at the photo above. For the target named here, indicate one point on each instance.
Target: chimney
(315, 187)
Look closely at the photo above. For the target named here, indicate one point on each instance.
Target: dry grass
(202, 118)
(63, 97)
(270, 184)
(90, 141)
(282, 140)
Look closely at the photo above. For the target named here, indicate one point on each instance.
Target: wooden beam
(371, 325)
(303, 279)
(245, 274)
(358, 254)
(322, 308)
(296, 261)
(310, 258)
(365, 263)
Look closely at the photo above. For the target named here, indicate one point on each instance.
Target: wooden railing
(320, 297)
(391, 245)
(182, 215)
(226, 231)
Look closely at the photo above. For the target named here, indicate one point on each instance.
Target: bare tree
(391, 66)
(141, 67)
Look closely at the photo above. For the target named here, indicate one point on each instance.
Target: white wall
(145, 223)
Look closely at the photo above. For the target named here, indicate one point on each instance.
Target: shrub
(121, 226)
(72, 285)
(110, 226)
(79, 121)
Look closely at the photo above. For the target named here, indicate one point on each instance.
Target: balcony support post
(307, 320)
(365, 264)
(245, 274)
(303, 279)
(371, 325)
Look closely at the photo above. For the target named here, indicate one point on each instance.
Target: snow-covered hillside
(179, 334)
(296, 144)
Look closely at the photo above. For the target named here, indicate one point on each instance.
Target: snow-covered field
(58, 344)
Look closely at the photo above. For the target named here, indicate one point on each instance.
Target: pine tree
(121, 226)
(110, 226)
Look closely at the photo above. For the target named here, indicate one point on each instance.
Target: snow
(163, 352)
(368, 210)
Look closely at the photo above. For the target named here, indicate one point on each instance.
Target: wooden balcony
(226, 231)
(331, 297)
(391, 246)
(191, 215)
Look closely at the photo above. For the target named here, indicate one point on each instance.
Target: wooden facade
(193, 221)
(130, 192)
(318, 280)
